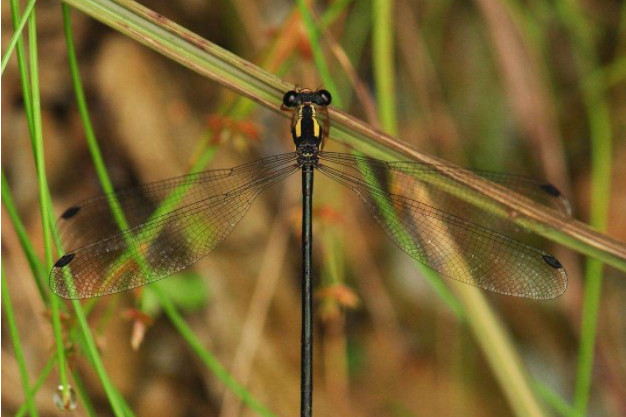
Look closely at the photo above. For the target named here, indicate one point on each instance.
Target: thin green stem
(37, 269)
(333, 11)
(7, 201)
(83, 394)
(17, 346)
(608, 76)
(45, 206)
(34, 389)
(598, 115)
(84, 113)
(17, 35)
(384, 77)
(207, 358)
(112, 394)
(82, 102)
(588, 333)
(27, 246)
(353, 41)
(114, 398)
(557, 403)
(383, 63)
(44, 198)
(23, 68)
(313, 34)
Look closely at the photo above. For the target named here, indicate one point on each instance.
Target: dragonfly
(168, 225)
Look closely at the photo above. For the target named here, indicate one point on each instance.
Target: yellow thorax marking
(316, 125)
(298, 124)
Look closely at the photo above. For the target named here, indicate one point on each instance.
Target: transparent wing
(93, 219)
(415, 204)
(193, 214)
(539, 191)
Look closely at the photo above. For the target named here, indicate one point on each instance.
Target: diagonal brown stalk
(208, 59)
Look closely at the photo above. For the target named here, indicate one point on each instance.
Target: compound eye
(290, 99)
(325, 97)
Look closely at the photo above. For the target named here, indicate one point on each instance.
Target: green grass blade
(500, 352)
(48, 222)
(83, 394)
(384, 78)
(17, 35)
(207, 358)
(598, 115)
(43, 375)
(37, 268)
(27, 247)
(81, 102)
(22, 67)
(334, 10)
(17, 346)
(313, 34)
(556, 402)
(44, 198)
(383, 64)
(119, 409)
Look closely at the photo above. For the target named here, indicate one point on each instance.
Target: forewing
(165, 243)
(539, 191)
(93, 220)
(418, 181)
(415, 214)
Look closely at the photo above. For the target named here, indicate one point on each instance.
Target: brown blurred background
(487, 84)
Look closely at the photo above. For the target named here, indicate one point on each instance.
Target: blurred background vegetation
(535, 88)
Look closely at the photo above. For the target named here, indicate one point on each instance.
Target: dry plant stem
(499, 351)
(207, 59)
(542, 220)
(249, 12)
(262, 297)
(526, 89)
(366, 100)
(494, 341)
(421, 70)
(335, 363)
(376, 297)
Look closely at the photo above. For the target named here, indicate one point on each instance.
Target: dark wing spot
(64, 260)
(70, 212)
(551, 189)
(552, 261)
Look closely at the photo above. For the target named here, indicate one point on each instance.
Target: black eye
(290, 99)
(325, 97)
